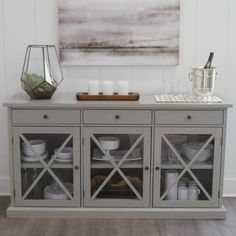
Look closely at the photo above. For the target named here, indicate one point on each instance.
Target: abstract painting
(119, 32)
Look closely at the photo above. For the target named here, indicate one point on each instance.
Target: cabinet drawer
(117, 117)
(45, 116)
(189, 117)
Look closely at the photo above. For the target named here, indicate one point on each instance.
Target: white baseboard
(4, 186)
(229, 187)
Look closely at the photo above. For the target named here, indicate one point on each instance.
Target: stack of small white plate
(65, 156)
(40, 148)
(190, 150)
(52, 193)
(117, 155)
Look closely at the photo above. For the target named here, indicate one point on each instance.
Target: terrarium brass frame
(27, 58)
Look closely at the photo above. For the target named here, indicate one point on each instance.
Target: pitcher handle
(190, 76)
(198, 191)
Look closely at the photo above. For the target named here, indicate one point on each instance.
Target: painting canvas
(119, 32)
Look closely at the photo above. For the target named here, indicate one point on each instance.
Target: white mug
(170, 178)
(182, 193)
(192, 183)
(193, 192)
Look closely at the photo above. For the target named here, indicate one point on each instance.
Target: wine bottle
(209, 61)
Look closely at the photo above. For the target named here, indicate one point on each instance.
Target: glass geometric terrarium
(41, 74)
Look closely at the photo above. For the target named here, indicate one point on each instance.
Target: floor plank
(71, 227)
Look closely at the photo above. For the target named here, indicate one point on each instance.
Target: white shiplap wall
(206, 25)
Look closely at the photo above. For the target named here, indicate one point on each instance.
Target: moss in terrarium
(36, 86)
(32, 80)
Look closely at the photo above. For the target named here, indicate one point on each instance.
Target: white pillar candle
(93, 87)
(107, 87)
(123, 87)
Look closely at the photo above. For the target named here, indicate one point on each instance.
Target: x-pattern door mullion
(187, 166)
(47, 167)
(116, 167)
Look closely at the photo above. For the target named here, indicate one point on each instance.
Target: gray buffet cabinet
(157, 141)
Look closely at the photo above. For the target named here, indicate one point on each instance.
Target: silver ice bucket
(203, 81)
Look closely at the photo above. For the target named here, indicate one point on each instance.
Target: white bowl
(66, 153)
(109, 143)
(38, 145)
(200, 158)
(49, 194)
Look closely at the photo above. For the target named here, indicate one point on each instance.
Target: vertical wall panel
(19, 22)
(78, 77)
(46, 21)
(230, 92)
(187, 43)
(2, 54)
(147, 80)
(3, 117)
(212, 35)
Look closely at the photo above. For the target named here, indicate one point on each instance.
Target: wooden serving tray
(101, 97)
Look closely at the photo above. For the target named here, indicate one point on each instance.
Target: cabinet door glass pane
(116, 166)
(187, 167)
(46, 166)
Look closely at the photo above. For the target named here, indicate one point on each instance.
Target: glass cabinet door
(46, 164)
(116, 166)
(186, 167)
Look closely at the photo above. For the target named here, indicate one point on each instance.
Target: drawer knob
(146, 167)
(117, 117)
(76, 167)
(189, 117)
(157, 168)
(45, 116)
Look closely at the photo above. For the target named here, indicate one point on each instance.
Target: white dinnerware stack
(39, 146)
(109, 143)
(182, 192)
(190, 150)
(188, 191)
(117, 155)
(65, 156)
(55, 192)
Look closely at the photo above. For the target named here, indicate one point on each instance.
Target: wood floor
(70, 227)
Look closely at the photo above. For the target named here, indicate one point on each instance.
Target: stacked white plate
(190, 150)
(52, 193)
(117, 155)
(39, 147)
(66, 155)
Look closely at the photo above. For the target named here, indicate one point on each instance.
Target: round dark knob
(146, 167)
(189, 117)
(76, 167)
(117, 117)
(45, 116)
(157, 168)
